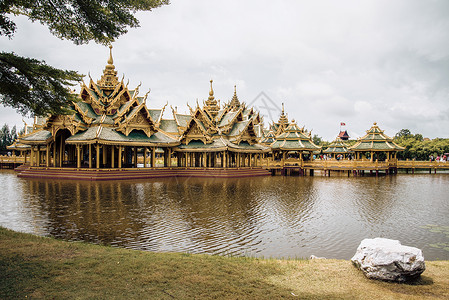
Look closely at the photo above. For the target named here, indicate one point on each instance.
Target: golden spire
(211, 93)
(211, 103)
(109, 78)
(235, 103)
(283, 119)
(110, 60)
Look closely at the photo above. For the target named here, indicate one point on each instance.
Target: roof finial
(211, 93)
(282, 107)
(110, 60)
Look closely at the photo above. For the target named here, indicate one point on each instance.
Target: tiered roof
(294, 139)
(234, 127)
(279, 127)
(337, 146)
(108, 113)
(375, 140)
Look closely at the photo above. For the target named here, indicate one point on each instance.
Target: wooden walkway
(293, 167)
(11, 162)
(355, 167)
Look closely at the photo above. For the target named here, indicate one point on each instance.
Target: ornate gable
(248, 134)
(205, 119)
(58, 122)
(195, 131)
(138, 119)
(238, 117)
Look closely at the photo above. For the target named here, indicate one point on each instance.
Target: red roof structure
(343, 135)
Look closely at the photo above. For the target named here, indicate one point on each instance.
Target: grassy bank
(37, 267)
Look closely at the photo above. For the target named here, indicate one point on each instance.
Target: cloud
(329, 61)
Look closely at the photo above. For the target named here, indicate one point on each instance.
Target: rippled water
(270, 216)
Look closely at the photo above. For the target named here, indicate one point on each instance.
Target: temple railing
(355, 164)
(11, 159)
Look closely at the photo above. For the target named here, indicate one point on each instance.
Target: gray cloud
(356, 62)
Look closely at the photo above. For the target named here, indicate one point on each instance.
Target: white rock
(387, 259)
(316, 257)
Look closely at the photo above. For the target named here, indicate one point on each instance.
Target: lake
(280, 217)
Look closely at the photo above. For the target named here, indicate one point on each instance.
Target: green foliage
(403, 133)
(33, 87)
(317, 140)
(7, 137)
(419, 149)
(76, 20)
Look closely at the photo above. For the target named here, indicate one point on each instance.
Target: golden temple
(112, 132)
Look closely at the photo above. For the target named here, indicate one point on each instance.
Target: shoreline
(42, 267)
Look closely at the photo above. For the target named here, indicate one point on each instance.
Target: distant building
(343, 135)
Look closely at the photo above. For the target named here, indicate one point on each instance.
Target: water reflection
(271, 216)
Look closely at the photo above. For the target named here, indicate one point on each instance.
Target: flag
(342, 124)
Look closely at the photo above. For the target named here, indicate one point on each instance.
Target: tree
(5, 137)
(403, 133)
(317, 140)
(33, 87)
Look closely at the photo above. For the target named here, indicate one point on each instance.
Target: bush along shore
(38, 267)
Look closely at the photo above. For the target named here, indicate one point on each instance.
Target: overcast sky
(356, 62)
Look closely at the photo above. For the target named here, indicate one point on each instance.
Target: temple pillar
(47, 156)
(135, 157)
(78, 156)
(97, 155)
(169, 157)
(32, 156)
(38, 157)
(90, 156)
(153, 157)
(112, 156)
(283, 158)
(55, 153)
(372, 156)
(203, 158)
(144, 157)
(105, 155)
(61, 152)
(119, 158)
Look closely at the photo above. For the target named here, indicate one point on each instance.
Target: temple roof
(375, 140)
(220, 143)
(343, 135)
(107, 135)
(37, 137)
(234, 104)
(269, 138)
(169, 126)
(294, 138)
(337, 146)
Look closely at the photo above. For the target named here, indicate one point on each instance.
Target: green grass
(37, 267)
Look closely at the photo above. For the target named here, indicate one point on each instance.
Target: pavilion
(376, 143)
(293, 141)
(337, 147)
